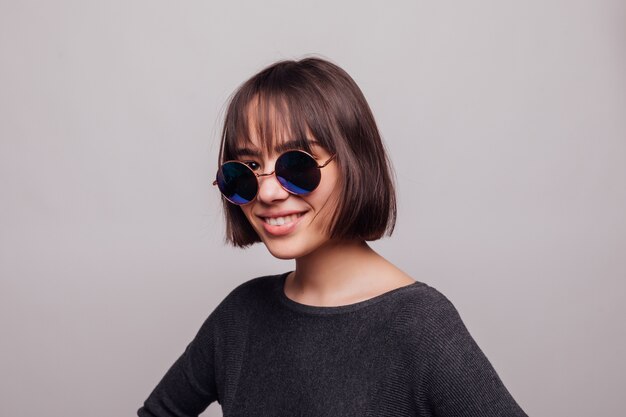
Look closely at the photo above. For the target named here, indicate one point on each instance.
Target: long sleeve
(458, 378)
(189, 385)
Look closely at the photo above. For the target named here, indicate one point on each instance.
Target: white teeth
(279, 221)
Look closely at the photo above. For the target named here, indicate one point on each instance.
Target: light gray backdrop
(506, 123)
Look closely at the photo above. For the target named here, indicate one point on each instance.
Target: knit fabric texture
(402, 353)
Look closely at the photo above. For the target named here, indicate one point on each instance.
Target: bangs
(265, 115)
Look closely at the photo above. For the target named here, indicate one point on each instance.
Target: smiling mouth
(280, 221)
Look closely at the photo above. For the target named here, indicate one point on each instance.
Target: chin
(287, 249)
(284, 252)
(283, 256)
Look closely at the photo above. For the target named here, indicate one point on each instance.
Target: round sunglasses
(296, 171)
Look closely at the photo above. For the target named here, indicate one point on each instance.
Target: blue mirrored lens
(297, 172)
(237, 182)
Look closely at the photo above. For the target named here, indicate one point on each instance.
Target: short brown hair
(316, 96)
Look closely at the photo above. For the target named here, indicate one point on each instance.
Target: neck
(335, 270)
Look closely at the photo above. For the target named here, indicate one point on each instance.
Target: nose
(270, 190)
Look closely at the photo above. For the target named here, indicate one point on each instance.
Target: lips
(281, 223)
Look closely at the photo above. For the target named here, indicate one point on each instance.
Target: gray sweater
(403, 353)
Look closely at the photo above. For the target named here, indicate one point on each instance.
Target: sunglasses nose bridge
(265, 174)
(270, 189)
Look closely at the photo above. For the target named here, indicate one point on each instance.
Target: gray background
(505, 122)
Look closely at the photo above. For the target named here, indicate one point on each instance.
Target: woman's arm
(189, 386)
(457, 377)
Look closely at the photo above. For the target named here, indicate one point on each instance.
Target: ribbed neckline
(321, 310)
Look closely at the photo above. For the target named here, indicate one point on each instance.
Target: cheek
(326, 203)
(333, 187)
(331, 180)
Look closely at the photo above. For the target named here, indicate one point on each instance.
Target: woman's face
(291, 226)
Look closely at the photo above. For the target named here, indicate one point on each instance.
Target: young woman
(303, 169)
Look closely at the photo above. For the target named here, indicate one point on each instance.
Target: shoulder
(450, 370)
(418, 300)
(426, 315)
(427, 302)
(246, 294)
(254, 287)
(233, 312)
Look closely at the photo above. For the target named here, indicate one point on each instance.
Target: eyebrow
(280, 148)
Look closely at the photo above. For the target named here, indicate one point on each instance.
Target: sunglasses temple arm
(327, 162)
